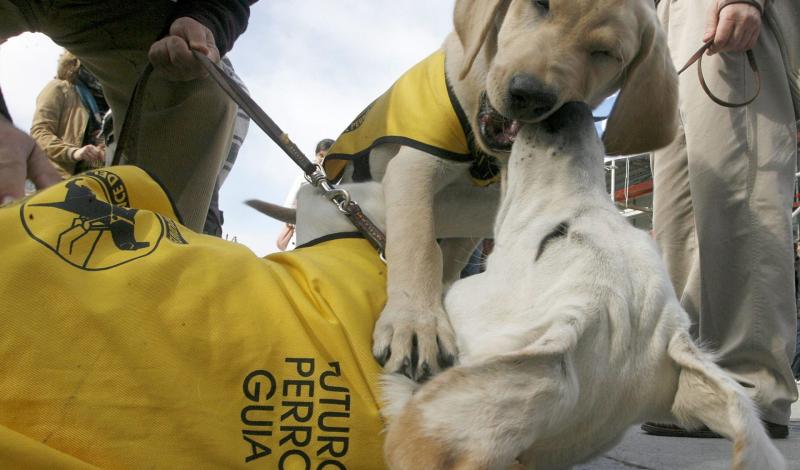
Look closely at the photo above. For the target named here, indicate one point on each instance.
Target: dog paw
(415, 344)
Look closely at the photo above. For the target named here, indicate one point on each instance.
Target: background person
(723, 195)
(215, 217)
(67, 123)
(20, 158)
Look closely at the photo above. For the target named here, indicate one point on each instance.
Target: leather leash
(315, 174)
(751, 59)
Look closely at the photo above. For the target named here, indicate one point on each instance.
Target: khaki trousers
(185, 127)
(722, 210)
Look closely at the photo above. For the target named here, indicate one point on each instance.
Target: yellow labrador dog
(507, 62)
(571, 335)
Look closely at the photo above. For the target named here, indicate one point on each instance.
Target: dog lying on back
(452, 118)
(572, 334)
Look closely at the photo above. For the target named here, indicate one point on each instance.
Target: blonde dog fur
(573, 50)
(572, 334)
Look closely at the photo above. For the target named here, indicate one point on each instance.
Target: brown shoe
(775, 431)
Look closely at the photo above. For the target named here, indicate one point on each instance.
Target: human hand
(89, 154)
(735, 28)
(172, 56)
(21, 158)
(285, 236)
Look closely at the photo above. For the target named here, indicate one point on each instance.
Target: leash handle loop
(698, 57)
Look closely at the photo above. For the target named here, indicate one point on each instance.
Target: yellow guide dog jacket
(418, 111)
(129, 341)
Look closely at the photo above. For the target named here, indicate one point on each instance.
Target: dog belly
(484, 328)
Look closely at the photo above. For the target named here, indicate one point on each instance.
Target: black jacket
(227, 19)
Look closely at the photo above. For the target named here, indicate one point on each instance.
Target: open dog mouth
(497, 131)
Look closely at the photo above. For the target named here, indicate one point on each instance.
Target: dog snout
(573, 115)
(529, 98)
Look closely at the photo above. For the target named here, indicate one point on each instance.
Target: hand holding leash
(173, 56)
(735, 28)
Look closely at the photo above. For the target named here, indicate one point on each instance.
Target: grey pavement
(641, 451)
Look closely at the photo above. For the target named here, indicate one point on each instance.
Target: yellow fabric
(129, 341)
(415, 111)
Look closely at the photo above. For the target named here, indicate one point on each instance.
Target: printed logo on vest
(301, 418)
(90, 225)
(359, 120)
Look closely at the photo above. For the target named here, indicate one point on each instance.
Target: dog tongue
(510, 131)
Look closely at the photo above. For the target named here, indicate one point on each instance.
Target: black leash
(314, 173)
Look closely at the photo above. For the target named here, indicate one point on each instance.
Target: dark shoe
(775, 431)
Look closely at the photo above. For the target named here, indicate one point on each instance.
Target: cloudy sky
(312, 65)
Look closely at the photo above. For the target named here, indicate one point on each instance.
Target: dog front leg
(413, 335)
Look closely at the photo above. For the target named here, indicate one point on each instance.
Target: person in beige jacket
(723, 196)
(64, 126)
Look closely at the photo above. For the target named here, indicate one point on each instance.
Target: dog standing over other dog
(508, 62)
(571, 335)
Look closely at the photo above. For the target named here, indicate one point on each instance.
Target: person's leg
(185, 127)
(214, 218)
(673, 222)
(796, 363)
(673, 215)
(740, 170)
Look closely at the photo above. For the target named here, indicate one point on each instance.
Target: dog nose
(529, 98)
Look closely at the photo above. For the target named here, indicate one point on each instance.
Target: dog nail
(384, 356)
(406, 368)
(424, 373)
(446, 360)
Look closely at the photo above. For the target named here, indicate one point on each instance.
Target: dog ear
(473, 20)
(645, 114)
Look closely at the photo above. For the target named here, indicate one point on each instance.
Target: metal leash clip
(340, 197)
(347, 206)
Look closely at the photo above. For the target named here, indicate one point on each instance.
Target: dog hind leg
(483, 416)
(709, 396)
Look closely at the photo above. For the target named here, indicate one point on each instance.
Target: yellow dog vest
(129, 341)
(418, 111)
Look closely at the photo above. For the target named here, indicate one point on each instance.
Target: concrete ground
(641, 451)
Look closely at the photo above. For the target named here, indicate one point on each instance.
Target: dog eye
(603, 54)
(543, 5)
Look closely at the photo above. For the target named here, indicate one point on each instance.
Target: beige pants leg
(186, 127)
(723, 193)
